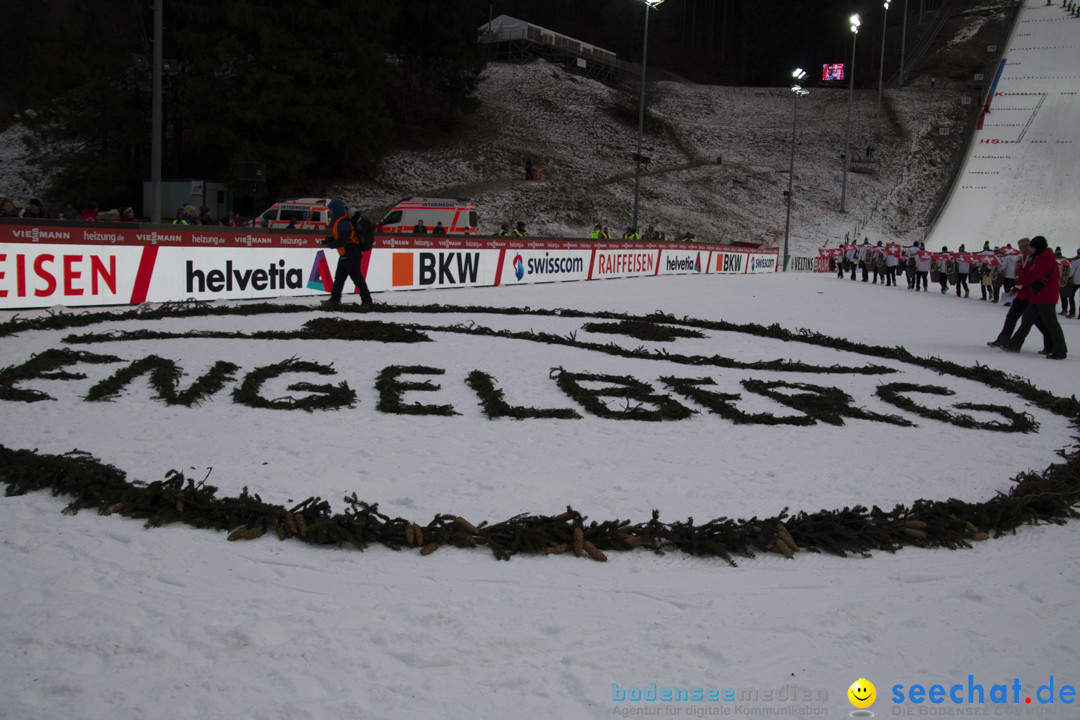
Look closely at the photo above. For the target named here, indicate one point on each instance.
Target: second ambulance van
(457, 216)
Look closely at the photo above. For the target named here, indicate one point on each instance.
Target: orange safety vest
(354, 239)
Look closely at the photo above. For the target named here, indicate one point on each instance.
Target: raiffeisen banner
(76, 264)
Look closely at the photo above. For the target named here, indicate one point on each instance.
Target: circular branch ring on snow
(1034, 497)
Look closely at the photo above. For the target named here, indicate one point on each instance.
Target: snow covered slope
(1019, 178)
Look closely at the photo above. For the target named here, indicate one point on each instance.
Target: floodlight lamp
(855, 23)
(887, 4)
(653, 3)
(798, 74)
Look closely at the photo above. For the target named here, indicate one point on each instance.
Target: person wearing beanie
(346, 240)
(189, 215)
(1040, 279)
(941, 263)
(35, 210)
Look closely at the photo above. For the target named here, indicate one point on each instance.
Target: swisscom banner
(108, 264)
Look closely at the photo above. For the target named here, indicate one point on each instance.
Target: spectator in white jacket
(1068, 293)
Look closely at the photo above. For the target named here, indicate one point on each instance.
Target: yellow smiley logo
(862, 693)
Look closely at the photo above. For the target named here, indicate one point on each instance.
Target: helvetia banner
(75, 264)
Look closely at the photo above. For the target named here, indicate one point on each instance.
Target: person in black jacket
(345, 239)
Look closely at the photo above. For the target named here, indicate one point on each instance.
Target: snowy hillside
(582, 136)
(566, 125)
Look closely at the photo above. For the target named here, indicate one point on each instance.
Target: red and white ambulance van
(457, 216)
(305, 213)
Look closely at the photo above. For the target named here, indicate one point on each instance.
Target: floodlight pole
(881, 71)
(903, 41)
(155, 121)
(649, 4)
(851, 101)
(797, 90)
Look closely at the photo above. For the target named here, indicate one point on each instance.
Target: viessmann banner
(75, 265)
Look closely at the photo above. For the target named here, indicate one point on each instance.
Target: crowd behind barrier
(187, 214)
(1030, 279)
(993, 270)
(191, 215)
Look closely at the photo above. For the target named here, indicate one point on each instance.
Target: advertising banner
(730, 262)
(74, 264)
(680, 262)
(827, 256)
(625, 261)
(534, 265)
(761, 263)
(798, 263)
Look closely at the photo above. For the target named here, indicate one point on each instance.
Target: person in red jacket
(1019, 299)
(1041, 280)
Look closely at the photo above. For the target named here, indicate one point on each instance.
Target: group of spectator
(34, 209)
(1031, 279)
(518, 231)
(188, 214)
(993, 270)
(652, 234)
(421, 229)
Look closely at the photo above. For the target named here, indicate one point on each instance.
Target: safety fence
(71, 264)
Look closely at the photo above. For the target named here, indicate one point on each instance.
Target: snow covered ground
(101, 618)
